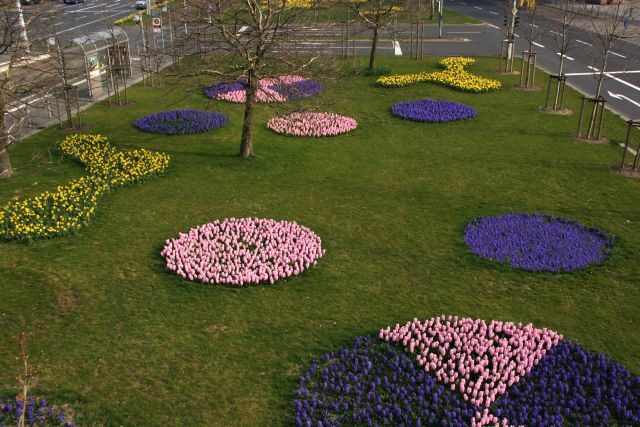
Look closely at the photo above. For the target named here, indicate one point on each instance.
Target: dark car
(73, 1)
(28, 2)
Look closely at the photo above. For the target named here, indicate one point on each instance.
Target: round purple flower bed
(433, 111)
(372, 382)
(538, 242)
(243, 251)
(37, 413)
(181, 122)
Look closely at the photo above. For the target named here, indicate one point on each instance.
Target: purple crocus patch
(181, 122)
(573, 386)
(538, 242)
(433, 111)
(372, 383)
(37, 413)
(297, 90)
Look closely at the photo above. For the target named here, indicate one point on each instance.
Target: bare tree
(606, 32)
(14, 53)
(375, 15)
(563, 37)
(248, 40)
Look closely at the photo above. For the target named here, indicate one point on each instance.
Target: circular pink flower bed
(312, 124)
(271, 89)
(243, 251)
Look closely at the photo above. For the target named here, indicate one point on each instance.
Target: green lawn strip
(126, 343)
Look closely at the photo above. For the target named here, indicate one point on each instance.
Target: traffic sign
(157, 25)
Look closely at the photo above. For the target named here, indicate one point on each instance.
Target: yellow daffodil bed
(71, 206)
(454, 76)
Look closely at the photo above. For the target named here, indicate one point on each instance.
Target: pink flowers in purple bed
(271, 89)
(479, 360)
(181, 122)
(433, 111)
(537, 242)
(243, 251)
(448, 372)
(312, 124)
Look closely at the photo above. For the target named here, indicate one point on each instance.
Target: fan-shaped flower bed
(271, 89)
(181, 122)
(537, 242)
(312, 124)
(466, 372)
(37, 413)
(432, 110)
(243, 251)
(454, 76)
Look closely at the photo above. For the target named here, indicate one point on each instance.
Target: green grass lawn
(124, 342)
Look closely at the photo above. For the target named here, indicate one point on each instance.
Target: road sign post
(157, 25)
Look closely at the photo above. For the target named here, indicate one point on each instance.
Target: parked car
(28, 2)
(73, 1)
(141, 4)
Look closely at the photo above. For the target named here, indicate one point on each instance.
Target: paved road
(622, 85)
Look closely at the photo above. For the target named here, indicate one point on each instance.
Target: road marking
(615, 78)
(568, 57)
(580, 41)
(538, 44)
(479, 8)
(620, 96)
(553, 32)
(493, 26)
(397, 49)
(92, 22)
(463, 3)
(516, 35)
(464, 32)
(617, 54)
(535, 26)
(495, 13)
(595, 70)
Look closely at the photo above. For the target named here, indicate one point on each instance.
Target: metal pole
(23, 28)
(185, 18)
(440, 11)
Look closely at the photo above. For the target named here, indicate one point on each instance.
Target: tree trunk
(556, 100)
(594, 114)
(6, 171)
(374, 46)
(246, 141)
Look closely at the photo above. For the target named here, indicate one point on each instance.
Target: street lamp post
(440, 11)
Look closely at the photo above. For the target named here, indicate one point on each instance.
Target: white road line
(479, 8)
(615, 78)
(495, 13)
(595, 70)
(580, 41)
(553, 32)
(493, 26)
(464, 32)
(538, 44)
(617, 54)
(535, 26)
(463, 3)
(568, 57)
(516, 35)
(89, 23)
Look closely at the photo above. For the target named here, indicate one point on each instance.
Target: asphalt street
(622, 83)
